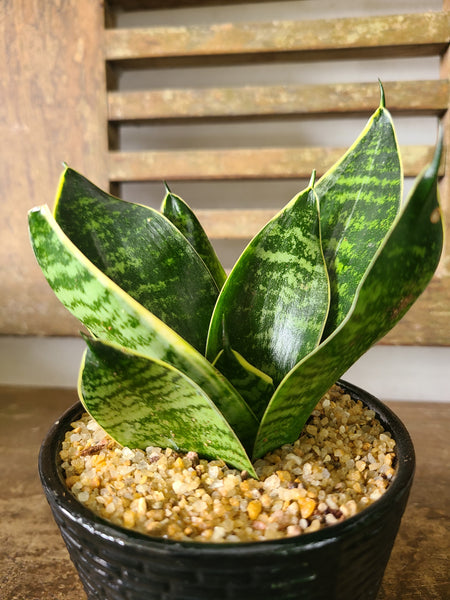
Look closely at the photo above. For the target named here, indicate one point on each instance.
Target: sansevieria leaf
(141, 251)
(142, 402)
(254, 386)
(359, 199)
(399, 272)
(179, 213)
(114, 316)
(274, 304)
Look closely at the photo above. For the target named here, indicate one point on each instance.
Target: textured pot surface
(342, 562)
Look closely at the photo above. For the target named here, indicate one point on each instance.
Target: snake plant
(179, 355)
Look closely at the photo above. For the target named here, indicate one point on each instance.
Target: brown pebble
(94, 449)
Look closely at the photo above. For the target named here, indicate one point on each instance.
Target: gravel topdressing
(342, 463)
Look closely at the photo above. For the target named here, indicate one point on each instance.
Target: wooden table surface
(34, 564)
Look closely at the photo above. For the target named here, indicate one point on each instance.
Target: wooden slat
(265, 163)
(414, 34)
(234, 223)
(427, 322)
(424, 97)
(129, 5)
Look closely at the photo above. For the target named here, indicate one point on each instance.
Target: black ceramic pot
(342, 562)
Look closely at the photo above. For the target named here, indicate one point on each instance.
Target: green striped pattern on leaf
(359, 200)
(274, 304)
(179, 213)
(400, 271)
(141, 251)
(114, 316)
(142, 402)
(254, 386)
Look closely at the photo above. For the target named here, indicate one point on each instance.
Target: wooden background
(61, 101)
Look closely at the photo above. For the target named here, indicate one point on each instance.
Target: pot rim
(56, 491)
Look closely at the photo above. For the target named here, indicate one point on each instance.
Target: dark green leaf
(254, 386)
(359, 199)
(400, 271)
(273, 306)
(114, 316)
(142, 252)
(142, 402)
(179, 213)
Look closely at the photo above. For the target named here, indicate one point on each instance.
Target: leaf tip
(382, 95)
(439, 147)
(43, 209)
(432, 169)
(35, 209)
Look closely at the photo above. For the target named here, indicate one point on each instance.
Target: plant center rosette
(192, 371)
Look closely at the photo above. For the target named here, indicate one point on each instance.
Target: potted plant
(180, 356)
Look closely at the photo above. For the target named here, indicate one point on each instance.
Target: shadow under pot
(345, 561)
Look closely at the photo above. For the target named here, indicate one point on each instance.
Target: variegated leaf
(142, 402)
(273, 306)
(141, 251)
(179, 213)
(254, 386)
(359, 200)
(399, 272)
(114, 316)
